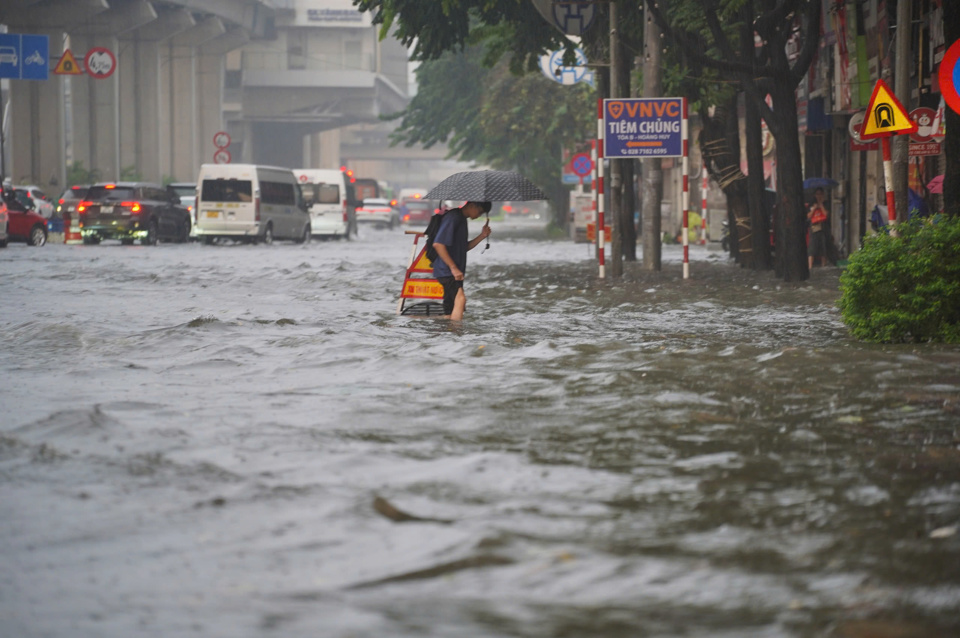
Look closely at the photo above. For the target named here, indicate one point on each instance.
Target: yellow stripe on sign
(422, 289)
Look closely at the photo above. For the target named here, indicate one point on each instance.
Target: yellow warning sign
(885, 115)
(67, 65)
(422, 264)
(422, 289)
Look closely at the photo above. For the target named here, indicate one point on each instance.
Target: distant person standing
(452, 246)
(817, 215)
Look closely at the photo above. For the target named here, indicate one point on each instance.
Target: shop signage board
(643, 127)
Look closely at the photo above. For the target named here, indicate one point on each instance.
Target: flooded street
(209, 441)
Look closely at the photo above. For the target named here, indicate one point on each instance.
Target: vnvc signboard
(643, 127)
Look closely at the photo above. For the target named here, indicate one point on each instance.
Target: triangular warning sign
(422, 264)
(885, 115)
(67, 65)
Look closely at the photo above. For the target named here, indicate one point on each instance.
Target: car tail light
(60, 201)
(133, 206)
(83, 206)
(406, 217)
(507, 208)
(256, 208)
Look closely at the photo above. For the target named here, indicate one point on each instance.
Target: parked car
(536, 209)
(23, 222)
(325, 193)
(131, 211)
(66, 206)
(251, 203)
(4, 238)
(41, 203)
(187, 191)
(377, 210)
(416, 212)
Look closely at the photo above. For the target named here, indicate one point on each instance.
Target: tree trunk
(791, 223)
(616, 165)
(759, 213)
(759, 256)
(720, 148)
(652, 173)
(628, 231)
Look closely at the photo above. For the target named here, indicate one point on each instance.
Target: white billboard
(329, 13)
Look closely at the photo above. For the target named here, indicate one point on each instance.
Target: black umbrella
(486, 186)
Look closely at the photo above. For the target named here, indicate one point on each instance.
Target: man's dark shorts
(450, 288)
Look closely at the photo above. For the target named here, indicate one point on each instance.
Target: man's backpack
(431, 232)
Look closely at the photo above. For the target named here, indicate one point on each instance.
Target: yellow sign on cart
(422, 289)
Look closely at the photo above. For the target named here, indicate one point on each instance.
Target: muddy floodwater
(245, 441)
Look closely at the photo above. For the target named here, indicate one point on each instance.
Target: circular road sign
(222, 156)
(100, 63)
(949, 76)
(854, 126)
(221, 139)
(582, 164)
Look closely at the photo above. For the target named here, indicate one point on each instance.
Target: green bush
(905, 288)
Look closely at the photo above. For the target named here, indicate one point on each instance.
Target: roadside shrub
(905, 288)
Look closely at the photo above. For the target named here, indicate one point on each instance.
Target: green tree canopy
(490, 116)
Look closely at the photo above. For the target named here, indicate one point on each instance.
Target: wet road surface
(247, 441)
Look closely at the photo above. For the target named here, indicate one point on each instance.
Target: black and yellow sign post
(885, 118)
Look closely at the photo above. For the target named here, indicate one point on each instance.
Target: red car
(23, 224)
(417, 211)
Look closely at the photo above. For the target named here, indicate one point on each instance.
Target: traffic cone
(71, 230)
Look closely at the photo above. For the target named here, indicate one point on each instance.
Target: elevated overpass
(186, 69)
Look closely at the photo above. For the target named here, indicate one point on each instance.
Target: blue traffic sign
(24, 57)
(643, 127)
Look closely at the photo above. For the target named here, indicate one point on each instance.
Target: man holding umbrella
(452, 246)
(478, 189)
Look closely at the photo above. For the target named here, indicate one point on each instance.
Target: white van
(249, 203)
(325, 192)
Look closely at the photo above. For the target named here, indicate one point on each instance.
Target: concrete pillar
(36, 126)
(140, 107)
(96, 115)
(329, 155)
(210, 71)
(180, 143)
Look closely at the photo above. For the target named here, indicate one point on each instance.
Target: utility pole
(616, 183)
(901, 79)
(652, 173)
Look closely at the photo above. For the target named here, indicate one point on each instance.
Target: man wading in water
(451, 245)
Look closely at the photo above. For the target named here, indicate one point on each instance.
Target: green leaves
(906, 288)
